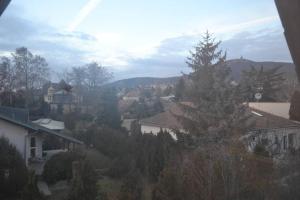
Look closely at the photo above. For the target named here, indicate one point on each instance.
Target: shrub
(59, 167)
(31, 191)
(132, 187)
(13, 172)
(84, 183)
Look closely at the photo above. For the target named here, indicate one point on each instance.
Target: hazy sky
(140, 37)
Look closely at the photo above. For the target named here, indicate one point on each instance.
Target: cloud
(83, 13)
(64, 49)
(170, 56)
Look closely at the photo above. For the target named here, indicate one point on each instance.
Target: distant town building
(165, 121)
(133, 95)
(62, 97)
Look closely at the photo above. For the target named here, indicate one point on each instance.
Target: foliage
(227, 174)
(152, 153)
(268, 82)
(110, 142)
(109, 189)
(260, 150)
(83, 185)
(23, 69)
(121, 167)
(31, 191)
(59, 167)
(216, 111)
(107, 109)
(90, 76)
(13, 172)
(295, 106)
(179, 89)
(132, 187)
(142, 108)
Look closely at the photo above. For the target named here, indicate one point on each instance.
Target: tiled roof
(264, 120)
(165, 119)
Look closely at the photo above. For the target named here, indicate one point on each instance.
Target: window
(285, 145)
(291, 140)
(32, 147)
(32, 142)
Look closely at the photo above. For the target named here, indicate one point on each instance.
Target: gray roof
(6, 116)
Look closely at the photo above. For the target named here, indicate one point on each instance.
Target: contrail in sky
(248, 24)
(83, 13)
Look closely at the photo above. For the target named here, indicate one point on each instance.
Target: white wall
(252, 139)
(15, 134)
(155, 130)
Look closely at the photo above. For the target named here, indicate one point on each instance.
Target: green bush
(59, 167)
(13, 172)
(83, 185)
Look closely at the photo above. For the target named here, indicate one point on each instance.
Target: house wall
(276, 141)
(16, 136)
(155, 130)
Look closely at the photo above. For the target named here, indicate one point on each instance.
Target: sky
(140, 37)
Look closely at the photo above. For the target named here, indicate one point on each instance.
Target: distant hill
(144, 81)
(236, 65)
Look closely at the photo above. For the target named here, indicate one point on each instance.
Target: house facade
(62, 98)
(28, 137)
(272, 129)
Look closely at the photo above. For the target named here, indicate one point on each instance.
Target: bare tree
(32, 70)
(96, 75)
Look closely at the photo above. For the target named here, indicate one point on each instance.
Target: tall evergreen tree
(268, 82)
(216, 109)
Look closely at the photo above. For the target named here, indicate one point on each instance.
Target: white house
(273, 129)
(28, 137)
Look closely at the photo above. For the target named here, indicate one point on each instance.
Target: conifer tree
(268, 82)
(216, 110)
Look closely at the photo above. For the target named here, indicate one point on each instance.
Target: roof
(133, 93)
(165, 119)
(289, 11)
(124, 105)
(264, 120)
(50, 124)
(32, 126)
(272, 115)
(277, 109)
(18, 114)
(3, 5)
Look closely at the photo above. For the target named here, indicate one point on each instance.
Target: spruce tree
(216, 109)
(268, 82)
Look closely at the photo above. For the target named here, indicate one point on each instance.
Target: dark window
(276, 140)
(285, 142)
(32, 153)
(32, 142)
(291, 140)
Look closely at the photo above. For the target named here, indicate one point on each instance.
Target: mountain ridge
(236, 65)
